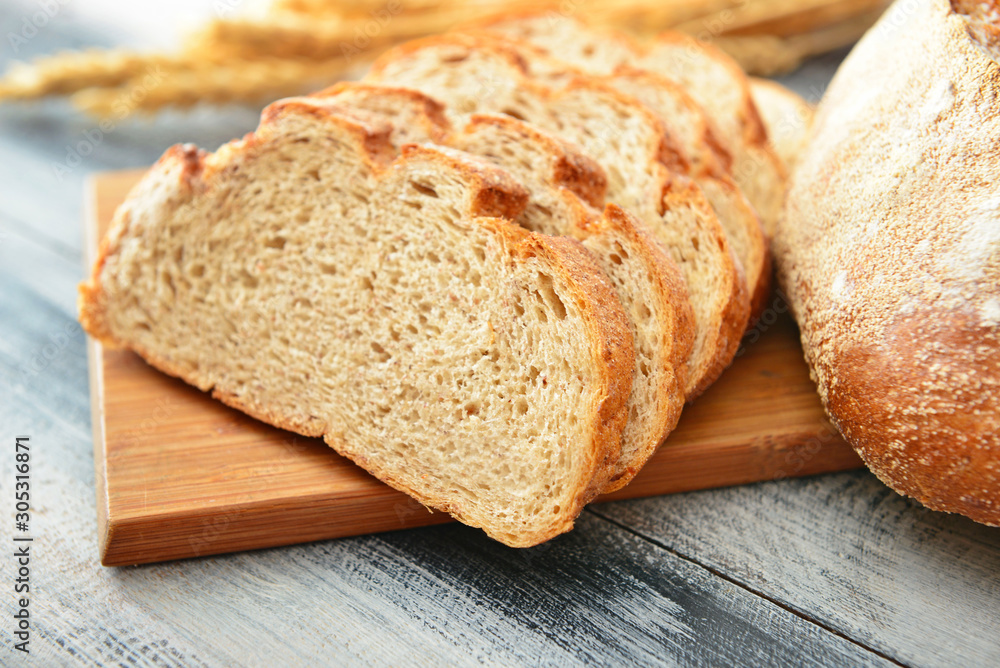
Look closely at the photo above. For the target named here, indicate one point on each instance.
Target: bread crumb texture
(563, 184)
(312, 279)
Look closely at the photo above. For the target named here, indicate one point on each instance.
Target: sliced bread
(701, 155)
(563, 186)
(718, 84)
(471, 75)
(683, 119)
(391, 308)
(710, 77)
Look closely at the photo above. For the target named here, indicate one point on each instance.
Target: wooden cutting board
(181, 475)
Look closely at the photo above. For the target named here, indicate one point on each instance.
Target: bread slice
(475, 75)
(786, 116)
(701, 156)
(563, 187)
(391, 308)
(717, 83)
(712, 79)
(683, 119)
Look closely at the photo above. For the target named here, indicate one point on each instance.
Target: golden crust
(571, 169)
(680, 335)
(890, 254)
(942, 446)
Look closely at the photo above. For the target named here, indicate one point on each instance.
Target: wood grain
(849, 553)
(443, 595)
(181, 475)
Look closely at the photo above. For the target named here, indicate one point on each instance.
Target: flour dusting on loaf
(889, 250)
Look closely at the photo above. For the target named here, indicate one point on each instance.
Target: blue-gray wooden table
(829, 570)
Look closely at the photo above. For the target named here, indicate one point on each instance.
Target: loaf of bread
(391, 307)
(471, 75)
(889, 251)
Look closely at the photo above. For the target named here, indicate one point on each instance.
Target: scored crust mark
(309, 279)
(896, 284)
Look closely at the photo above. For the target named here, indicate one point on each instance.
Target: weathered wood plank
(920, 586)
(444, 596)
(44, 270)
(599, 595)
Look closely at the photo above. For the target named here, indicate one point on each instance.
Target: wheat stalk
(299, 44)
